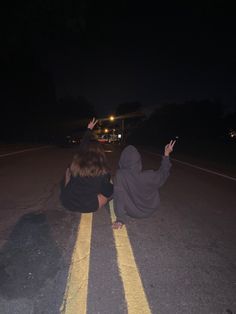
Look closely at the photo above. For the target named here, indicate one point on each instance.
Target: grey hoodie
(135, 191)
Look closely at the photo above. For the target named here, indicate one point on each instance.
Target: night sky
(151, 55)
(112, 53)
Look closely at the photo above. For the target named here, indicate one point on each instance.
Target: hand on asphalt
(117, 225)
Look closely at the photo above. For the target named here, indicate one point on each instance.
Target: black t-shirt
(80, 194)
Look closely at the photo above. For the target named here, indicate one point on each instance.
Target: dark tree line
(29, 108)
(29, 121)
(190, 121)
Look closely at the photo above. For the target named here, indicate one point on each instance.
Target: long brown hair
(90, 162)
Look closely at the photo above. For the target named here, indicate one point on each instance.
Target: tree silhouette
(195, 120)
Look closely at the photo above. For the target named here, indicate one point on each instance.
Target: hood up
(130, 159)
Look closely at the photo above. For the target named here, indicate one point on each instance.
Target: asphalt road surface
(180, 260)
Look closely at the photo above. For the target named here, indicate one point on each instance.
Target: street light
(122, 118)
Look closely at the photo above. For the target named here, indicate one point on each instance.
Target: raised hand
(169, 148)
(92, 123)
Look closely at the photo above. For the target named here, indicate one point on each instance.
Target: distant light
(112, 118)
(119, 135)
(106, 130)
(232, 134)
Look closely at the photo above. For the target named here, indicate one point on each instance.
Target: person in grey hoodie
(136, 191)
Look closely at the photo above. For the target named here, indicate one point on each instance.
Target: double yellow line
(75, 298)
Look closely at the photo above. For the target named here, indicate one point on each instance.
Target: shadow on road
(29, 258)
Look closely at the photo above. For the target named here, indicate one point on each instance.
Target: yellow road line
(75, 298)
(133, 288)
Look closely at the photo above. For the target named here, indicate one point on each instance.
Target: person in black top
(86, 186)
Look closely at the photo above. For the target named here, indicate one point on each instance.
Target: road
(180, 260)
